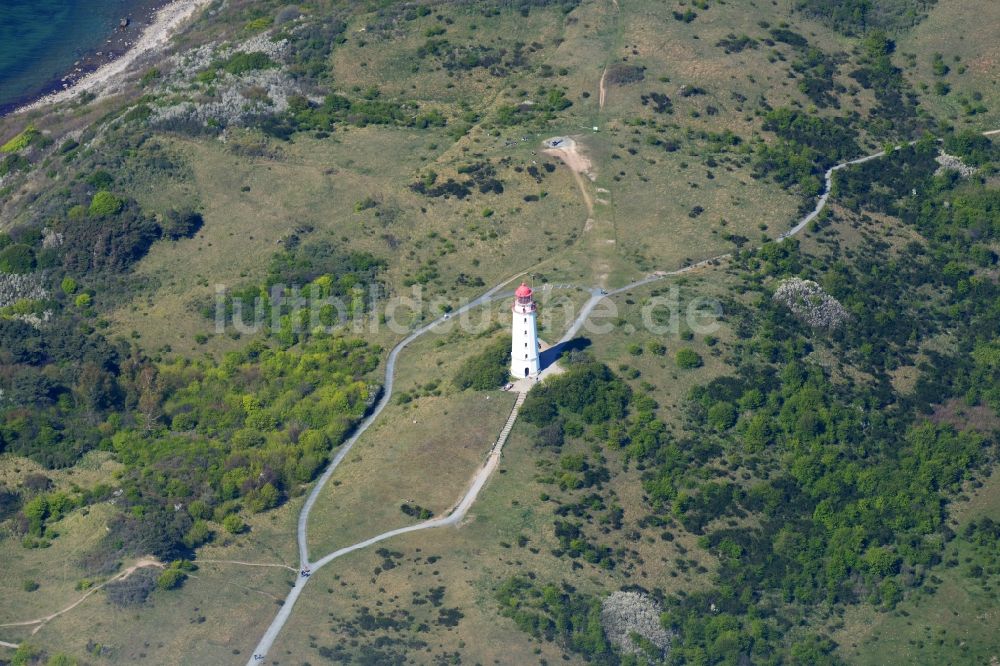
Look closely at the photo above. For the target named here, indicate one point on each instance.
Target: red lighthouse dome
(524, 291)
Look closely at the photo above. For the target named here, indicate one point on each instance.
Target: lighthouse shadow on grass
(555, 352)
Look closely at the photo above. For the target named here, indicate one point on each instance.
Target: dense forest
(201, 443)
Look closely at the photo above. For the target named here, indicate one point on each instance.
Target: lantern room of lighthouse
(524, 334)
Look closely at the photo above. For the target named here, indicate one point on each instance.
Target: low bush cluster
(134, 589)
(487, 370)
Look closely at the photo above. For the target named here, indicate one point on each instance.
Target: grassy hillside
(378, 152)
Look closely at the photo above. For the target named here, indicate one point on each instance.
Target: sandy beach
(105, 79)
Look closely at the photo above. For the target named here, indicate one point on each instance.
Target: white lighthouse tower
(524, 335)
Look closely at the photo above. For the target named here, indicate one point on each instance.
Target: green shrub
(186, 566)
(199, 534)
(657, 348)
(263, 498)
(150, 76)
(687, 359)
(972, 147)
(722, 416)
(199, 509)
(489, 369)
(104, 203)
(587, 388)
(13, 163)
(21, 141)
(24, 655)
(30, 585)
(234, 524)
(171, 579)
(101, 180)
(17, 258)
(24, 306)
(432, 118)
(262, 23)
(69, 286)
(248, 62)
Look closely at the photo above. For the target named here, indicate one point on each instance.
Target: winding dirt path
(602, 90)
(39, 623)
(452, 518)
(42, 621)
(248, 564)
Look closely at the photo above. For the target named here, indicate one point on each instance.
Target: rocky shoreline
(149, 27)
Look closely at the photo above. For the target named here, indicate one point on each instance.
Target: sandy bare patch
(568, 151)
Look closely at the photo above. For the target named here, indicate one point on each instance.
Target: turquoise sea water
(41, 39)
